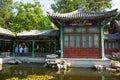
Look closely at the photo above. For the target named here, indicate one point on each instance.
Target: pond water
(23, 70)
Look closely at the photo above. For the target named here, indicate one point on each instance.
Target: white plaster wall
(88, 62)
(5, 60)
(0, 61)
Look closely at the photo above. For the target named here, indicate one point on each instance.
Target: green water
(23, 70)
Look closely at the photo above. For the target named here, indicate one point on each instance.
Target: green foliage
(34, 77)
(118, 17)
(119, 12)
(44, 46)
(5, 13)
(64, 6)
(29, 17)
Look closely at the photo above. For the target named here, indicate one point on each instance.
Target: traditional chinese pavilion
(81, 33)
(81, 38)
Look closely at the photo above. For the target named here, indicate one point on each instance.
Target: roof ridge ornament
(80, 7)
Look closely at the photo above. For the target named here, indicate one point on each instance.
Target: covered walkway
(38, 43)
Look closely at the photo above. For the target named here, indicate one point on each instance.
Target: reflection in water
(103, 78)
(20, 72)
(63, 71)
(0, 67)
(23, 70)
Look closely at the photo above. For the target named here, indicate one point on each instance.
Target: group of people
(21, 49)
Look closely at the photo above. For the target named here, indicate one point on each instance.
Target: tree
(118, 17)
(6, 13)
(29, 17)
(64, 6)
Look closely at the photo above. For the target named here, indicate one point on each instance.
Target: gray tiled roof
(39, 32)
(82, 15)
(6, 32)
(112, 36)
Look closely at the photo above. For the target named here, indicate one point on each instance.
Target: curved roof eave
(39, 33)
(82, 15)
(6, 32)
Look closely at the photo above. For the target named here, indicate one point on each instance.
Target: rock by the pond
(111, 69)
(14, 61)
(115, 64)
(98, 67)
(57, 64)
(115, 56)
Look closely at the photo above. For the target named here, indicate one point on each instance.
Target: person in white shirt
(21, 50)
